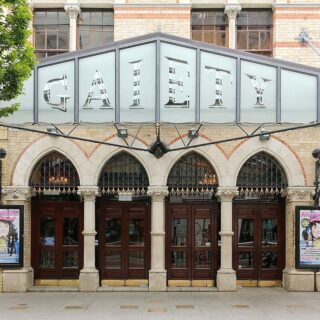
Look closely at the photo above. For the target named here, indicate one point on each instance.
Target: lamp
(52, 130)
(264, 135)
(193, 133)
(122, 132)
(3, 154)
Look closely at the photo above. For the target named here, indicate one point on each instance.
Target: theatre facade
(158, 163)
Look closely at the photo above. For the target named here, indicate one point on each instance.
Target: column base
(318, 281)
(89, 280)
(298, 280)
(157, 280)
(17, 280)
(226, 280)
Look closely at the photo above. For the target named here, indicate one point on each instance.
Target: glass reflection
(245, 232)
(113, 260)
(245, 260)
(269, 260)
(202, 260)
(179, 232)
(136, 260)
(70, 231)
(269, 232)
(70, 259)
(136, 231)
(47, 231)
(113, 231)
(179, 259)
(47, 260)
(202, 233)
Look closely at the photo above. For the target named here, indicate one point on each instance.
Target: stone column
(232, 10)
(293, 279)
(226, 277)
(72, 10)
(20, 280)
(158, 274)
(89, 275)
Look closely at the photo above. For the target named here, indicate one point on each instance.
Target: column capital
(17, 193)
(157, 193)
(299, 194)
(88, 193)
(226, 193)
(72, 9)
(232, 10)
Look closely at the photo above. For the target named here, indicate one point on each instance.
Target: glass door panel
(179, 232)
(202, 232)
(245, 232)
(47, 231)
(136, 231)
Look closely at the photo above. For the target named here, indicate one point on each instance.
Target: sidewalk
(246, 304)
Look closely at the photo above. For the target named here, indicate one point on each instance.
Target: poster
(11, 241)
(307, 237)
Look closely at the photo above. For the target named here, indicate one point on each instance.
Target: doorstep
(53, 289)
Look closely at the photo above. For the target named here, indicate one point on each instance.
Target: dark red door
(124, 240)
(57, 241)
(191, 241)
(259, 240)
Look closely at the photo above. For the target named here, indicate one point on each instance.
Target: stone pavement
(246, 304)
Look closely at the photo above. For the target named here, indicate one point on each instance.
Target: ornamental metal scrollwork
(123, 173)
(55, 172)
(192, 177)
(261, 176)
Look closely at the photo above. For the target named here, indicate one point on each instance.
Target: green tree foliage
(17, 57)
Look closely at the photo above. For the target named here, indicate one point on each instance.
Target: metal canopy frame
(159, 38)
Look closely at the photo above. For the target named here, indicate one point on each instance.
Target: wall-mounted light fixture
(52, 130)
(193, 133)
(3, 154)
(264, 135)
(122, 132)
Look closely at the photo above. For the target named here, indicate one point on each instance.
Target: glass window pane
(202, 260)
(39, 17)
(63, 39)
(113, 231)
(136, 232)
(52, 17)
(242, 39)
(70, 231)
(179, 259)
(47, 231)
(269, 232)
(113, 260)
(96, 18)
(269, 260)
(136, 260)
(84, 18)
(40, 40)
(253, 40)
(47, 260)
(84, 39)
(52, 40)
(70, 259)
(245, 260)
(96, 37)
(63, 17)
(179, 232)
(245, 232)
(107, 36)
(202, 233)
(265, 41)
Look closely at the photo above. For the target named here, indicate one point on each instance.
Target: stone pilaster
(158, 274)
(226, 276)
(232, 10)
(293, 279)
(72, 10)
(89, 275)
(20, 280)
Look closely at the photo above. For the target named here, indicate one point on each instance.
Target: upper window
(95, 28)
(209, 26)
(51, 32)
(254, 31)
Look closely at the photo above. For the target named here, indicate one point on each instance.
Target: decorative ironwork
(192, 177)
(261, 176)
(123, 173)
(53, 173)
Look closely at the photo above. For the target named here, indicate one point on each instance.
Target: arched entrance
(259, 220)
(123, 214)
(57, 219)
(191, 221)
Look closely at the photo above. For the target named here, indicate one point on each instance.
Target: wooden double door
(191, 241)
(259, 240)
(124, 239)
(57, 240)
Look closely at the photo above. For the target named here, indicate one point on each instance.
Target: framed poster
(307, 237)
(11, 236)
